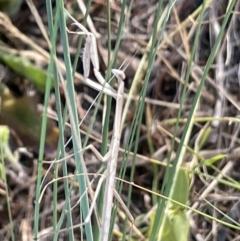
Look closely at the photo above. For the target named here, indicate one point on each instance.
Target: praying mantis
(90, 55)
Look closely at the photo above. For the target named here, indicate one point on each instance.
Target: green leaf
(5, 151)
(25, 68)
(211, 161)
(176, 225)
(181, 191)
(205, 137)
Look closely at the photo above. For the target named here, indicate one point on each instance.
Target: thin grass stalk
(160, 20)
(99, 204)
(183, 97)
(167, 177)
(141, 67)
(155, 167)
(70, 94)
(154, 48)
(59, 225)
(96, 230)
(96, 227)
(114, 59)
(53, 33)
(111, 64)
(187, 22)
(171, 173)
(68, 194)
(106, 117)
(41, 149)
(104, 145)
(3, 176)
(109, 23)
(61, 154)
(186, 132)
(158, 24)
(52, 42)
